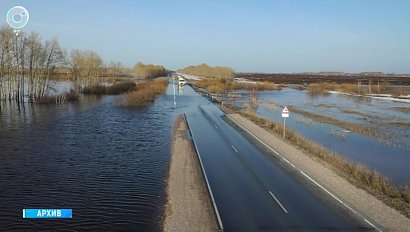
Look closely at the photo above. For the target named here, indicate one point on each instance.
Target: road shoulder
(188, 206)
(386, 217)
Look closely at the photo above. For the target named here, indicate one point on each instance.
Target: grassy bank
(359, 175)
(114, 89)
(145, 93)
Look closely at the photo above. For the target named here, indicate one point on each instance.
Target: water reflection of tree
(315, 95)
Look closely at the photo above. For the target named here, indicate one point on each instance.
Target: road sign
(285, 112)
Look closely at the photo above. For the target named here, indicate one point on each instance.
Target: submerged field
(372, 132)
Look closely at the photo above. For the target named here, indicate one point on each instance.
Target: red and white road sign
(285, 112)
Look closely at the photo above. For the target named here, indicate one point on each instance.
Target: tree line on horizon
(205, 70)
(143, 71)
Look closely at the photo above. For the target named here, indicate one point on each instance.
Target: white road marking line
(273, 150)
(371, 224)
(277, 153)
(277, 201)
(292, 165)
(327, 191)
(234, 148)
(287, 161)
(221, 227)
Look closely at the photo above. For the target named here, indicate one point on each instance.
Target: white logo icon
(17, 17)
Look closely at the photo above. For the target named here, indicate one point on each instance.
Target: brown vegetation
(224, 86)
(214, 85)
(359, 175)
(145, 93)
(349, 111)
(307, 78)
(298, 87)
(401, 124)
(405, 110)
(58, 99)
(321, 87)
(149, 70)
(114, 89)
(402, 90)
(204, 70)
(358, 88)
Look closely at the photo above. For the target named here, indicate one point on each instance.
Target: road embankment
(352, 197)
(188, 206)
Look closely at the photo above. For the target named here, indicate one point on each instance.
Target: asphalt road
(255, 191)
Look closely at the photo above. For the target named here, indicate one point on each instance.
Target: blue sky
(258, 36)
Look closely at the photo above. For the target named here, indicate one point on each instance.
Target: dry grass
(115, 89)
(321, 87)
(298, 87)
(349, 111)
(214, 85)
(145, 93)
(375, 88)
(218, 85)
(405, 110)
(70, 96)
(400, 123)
(403, 90)
(357, 174)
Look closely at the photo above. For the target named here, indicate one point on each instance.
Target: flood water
(107, 163)
(390, 155)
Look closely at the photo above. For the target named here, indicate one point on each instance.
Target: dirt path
(188, 206)
(387, 218)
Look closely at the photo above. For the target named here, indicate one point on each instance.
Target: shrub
(114, 89)
(58, 99)
(321, 87)
(145, 93)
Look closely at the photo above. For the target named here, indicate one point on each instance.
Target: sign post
(285, 114)
(173, 85)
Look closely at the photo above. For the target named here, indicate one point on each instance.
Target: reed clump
(145, 93)
(321, 87)
(114, 89)
(69, 96)
(215, 85)
(357, 174)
